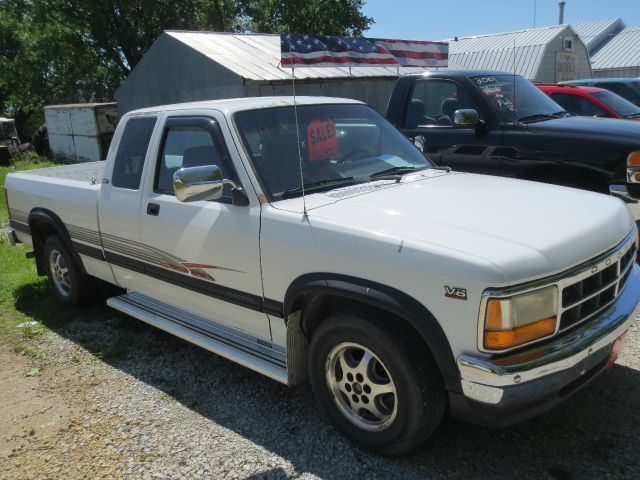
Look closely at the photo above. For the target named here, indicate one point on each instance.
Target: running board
(238, 347)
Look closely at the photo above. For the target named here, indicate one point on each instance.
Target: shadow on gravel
(594, 434)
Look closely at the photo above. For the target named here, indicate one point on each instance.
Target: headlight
(513, 321)
(633, 167)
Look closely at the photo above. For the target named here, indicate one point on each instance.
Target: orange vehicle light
(519, 335)
(494, 315)
(633, 160)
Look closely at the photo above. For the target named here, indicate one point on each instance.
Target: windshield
(337, 144)
(618, 104)
(516, 98)
(7, 130)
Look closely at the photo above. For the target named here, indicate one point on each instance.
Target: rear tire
(377, 387)
(69, 284)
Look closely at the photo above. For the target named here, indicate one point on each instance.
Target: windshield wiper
(393, 173)
(633, 115)
(319, 186)
(536, 117)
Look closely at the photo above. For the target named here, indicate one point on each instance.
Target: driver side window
(188, 146)
(433, 103)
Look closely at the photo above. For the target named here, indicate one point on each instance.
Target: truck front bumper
(505, 390)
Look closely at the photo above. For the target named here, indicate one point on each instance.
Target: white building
(190, 66)
(543, 55)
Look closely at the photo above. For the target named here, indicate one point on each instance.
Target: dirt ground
(44, 423)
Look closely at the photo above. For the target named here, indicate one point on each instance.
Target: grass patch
(22, 161)
(25, 296)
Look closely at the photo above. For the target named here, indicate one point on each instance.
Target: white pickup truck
(312, 240)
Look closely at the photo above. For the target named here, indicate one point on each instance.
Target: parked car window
(433, 102)
(578, 105)
(623, 90)
(516, 99)
(187, 146)
(127, 167)
(620, 105)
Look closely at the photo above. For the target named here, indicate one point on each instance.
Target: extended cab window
(433, 103)
(127, 167)
(189, 146)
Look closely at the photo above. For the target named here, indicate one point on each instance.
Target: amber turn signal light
(501, 340)
(633, 160)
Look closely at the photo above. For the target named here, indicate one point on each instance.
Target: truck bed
(69, 191)
(80, 172)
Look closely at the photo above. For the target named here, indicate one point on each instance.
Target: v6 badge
(455, 292)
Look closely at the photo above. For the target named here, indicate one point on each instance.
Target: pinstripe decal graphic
(154, 262)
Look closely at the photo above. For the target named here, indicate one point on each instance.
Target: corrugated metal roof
(594, 34)
(501, 51)
(257, 57)
(623, 50)
(83, 105)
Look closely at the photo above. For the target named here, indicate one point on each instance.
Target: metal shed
(597, 33)
(189, 66)
(543, 55)
(620, 57)
(81, 132)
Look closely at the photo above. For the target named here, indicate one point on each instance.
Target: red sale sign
(321, 138)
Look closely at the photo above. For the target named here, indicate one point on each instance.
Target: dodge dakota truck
(312, 240)
(499, 123)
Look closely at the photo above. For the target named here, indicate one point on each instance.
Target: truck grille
(594, 288)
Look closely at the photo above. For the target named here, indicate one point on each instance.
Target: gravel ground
(157, 407)
(144, 404)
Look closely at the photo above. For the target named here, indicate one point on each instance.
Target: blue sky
(440, 19)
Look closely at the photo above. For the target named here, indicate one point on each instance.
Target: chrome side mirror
(419, 141)
(199, 183)
(466, 117)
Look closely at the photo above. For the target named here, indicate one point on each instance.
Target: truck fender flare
(41, 216)
(386, 298)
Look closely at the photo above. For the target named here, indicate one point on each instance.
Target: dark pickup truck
(499, 123)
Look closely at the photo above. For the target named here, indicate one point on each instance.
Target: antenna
(513, 99)
(295, 113)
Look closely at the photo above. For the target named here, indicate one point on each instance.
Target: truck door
(119, 202)
(430, 113)
(205, 254)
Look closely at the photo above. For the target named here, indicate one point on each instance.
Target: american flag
(332, 51)
(416, 53)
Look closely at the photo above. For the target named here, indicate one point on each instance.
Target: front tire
(69, 284)
(376, 386)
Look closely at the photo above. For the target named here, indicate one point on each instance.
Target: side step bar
(229, 344)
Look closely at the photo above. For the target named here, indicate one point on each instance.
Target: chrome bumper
(13, 238)
(554, 365)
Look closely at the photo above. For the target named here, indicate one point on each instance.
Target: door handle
(153, 209)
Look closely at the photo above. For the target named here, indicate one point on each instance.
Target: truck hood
(527, 229)
(613, 129)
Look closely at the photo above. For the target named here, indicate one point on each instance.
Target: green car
(628, 88)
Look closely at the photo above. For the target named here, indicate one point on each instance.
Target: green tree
(121, 31)
(43, 61)
(62, 51)
(320, 17)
